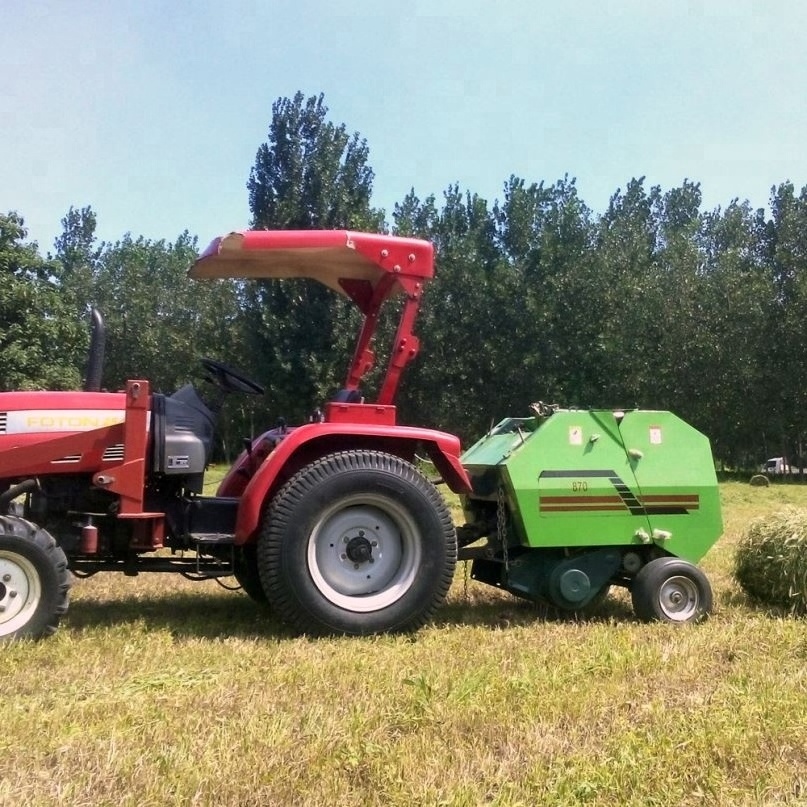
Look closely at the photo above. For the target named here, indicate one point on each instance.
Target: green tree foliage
(785, 340)
(309, 174)
(77, 253)
(654, 303)
(549, 233)
(628, 313)
(77, 250)
(39, 334)
(737, 297)
(460, 325)
(159, 323)
(509, 306)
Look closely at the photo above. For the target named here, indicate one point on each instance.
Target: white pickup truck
(778, 466)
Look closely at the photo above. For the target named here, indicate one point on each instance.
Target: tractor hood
(352, 264)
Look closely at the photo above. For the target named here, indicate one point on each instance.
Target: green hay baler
(573, 501)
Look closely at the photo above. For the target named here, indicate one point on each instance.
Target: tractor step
(209, 538)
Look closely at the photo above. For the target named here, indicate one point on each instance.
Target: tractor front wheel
(34, 580)
(358, 542)
(671, 590)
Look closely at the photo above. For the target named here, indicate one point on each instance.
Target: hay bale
(771, 560)
(759, 481)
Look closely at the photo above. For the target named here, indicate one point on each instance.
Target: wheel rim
(364, 553)
(679, 598)
(20, 592)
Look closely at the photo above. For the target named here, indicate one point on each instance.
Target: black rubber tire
(358, 542)
(34, 580)
(245, 571)
(671, 590)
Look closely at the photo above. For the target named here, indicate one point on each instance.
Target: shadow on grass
(514, 612)
(523, 613)
(739, 599)
(184, 614)
(216, 615)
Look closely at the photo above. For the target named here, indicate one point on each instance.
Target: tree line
(654, 302)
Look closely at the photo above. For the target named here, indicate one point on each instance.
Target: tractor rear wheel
(245, 571)
(358, 542)
(34, 580)
(671, 590)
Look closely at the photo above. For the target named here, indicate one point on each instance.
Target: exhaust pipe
(15, 490)
(95, 361)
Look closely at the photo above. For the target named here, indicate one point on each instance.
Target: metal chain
(501, 526)
(465, 581)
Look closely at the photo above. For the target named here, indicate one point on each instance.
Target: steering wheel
(231, 380)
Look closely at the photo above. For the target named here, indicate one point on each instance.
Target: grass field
(160, 691)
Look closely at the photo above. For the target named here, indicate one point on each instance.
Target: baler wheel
(34, 580)
(358, 542)
(671, 590)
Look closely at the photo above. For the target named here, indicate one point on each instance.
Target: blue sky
(152, 111)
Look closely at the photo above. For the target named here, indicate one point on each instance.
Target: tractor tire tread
(284, 509)
(20, 528)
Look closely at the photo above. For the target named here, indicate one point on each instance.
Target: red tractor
(331, 521)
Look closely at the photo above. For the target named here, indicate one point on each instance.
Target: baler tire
(357, 542)
(671, 590)
(34, 581)
(245, 571)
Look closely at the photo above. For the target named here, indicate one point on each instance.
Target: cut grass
(159, 691)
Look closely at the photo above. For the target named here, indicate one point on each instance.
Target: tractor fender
(310, 442)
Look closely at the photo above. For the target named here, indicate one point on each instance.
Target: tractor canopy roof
(361, 266)
(366, 267)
